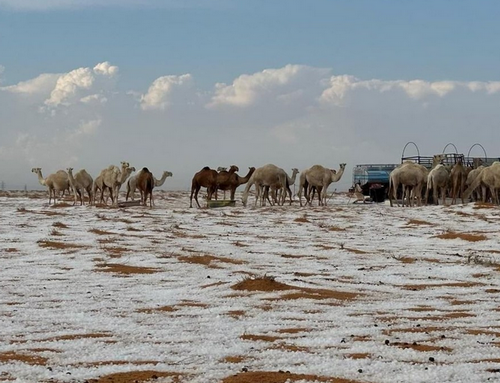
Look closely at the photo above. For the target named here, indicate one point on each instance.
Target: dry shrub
(60, 205)
(265, 283)
(115, 252)
(465, 236)
(11, 250)
(421, 347)
(233, 359)
(130, 228)
(166, 309)
(60, 225)
(484, 205)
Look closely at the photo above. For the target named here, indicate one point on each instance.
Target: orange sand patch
(236, 313)
(167, 309)
(137, 377)
(280, 377)
(12, 356)
(125, 269)
(233, 359)
(208, 260)
(293, 330)
(359, 355)
(413, 222)
(58, 245)
(269, 284)
(77, 336)
(11, 250)
(437, 285)
(265, 338)
(420, 347)
(465, 236)
(301, 220)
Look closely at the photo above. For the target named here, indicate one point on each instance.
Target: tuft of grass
(464, 236)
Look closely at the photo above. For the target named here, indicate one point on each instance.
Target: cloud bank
(293, 116)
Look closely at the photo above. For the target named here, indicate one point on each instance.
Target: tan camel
(276, 194)
(267, 175)
(223, 179)
(320, 178)
(132, 183)
(412, 177)
(206, 178)
(476, 193)
(145, 184)
(233, 182)
(81, 182)
(489, 177)
(437, 180)
(458, 177)
(113, 178)
(54, 182)
(99, 185)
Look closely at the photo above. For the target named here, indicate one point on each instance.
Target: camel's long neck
(162, 180)
(291, 180)
(338, 175)
(40, 178)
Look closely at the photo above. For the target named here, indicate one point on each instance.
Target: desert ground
(342, 293)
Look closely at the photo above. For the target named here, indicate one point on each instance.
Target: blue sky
(356, 72)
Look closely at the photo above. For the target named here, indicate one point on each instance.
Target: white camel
(55, 182)
(476, 193)
(132, 183)
(318, 177)
(489, 177)
(113, 178)
(412, 177)
(266, 176)
(437, 180)
(80, 182)
(277, 193)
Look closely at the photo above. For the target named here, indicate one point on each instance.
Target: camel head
(234, 168)
(342, 166)
(437, 159)
(69, 170)
(168, 174)
(36, 170)
(124, 164)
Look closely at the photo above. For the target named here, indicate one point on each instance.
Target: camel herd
(456, 181)
(110, 179)
(271, 183)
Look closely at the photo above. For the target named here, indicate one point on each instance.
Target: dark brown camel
(232, 182)
(145, 184)
(207, 178)
(223, 178)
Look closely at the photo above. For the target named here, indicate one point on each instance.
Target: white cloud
(42, 84)
(68, 84)
(162, 91)
(105, 68)
(94, 99)
(283, 84)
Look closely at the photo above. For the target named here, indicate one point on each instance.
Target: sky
(179, 85)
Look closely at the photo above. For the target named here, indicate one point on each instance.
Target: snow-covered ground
(359, 291)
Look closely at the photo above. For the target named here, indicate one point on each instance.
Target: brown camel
(223, 179)
(145, 184)
(206, 178)
(234, 181)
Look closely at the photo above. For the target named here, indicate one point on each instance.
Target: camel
(145, 184)
(290, 180)
(223, 180)
(55, 182)
(132, 183)
(234, 181)
(457, 176)
(113, 178)
(320, 178)
(207, 178)
(99, 185)
(437, 181)
(81, 182)
(412, 177)
(489, 177)
(470, 179)
(267, 175)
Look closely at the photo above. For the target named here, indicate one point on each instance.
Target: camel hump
(145, 170)
(206, 168)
